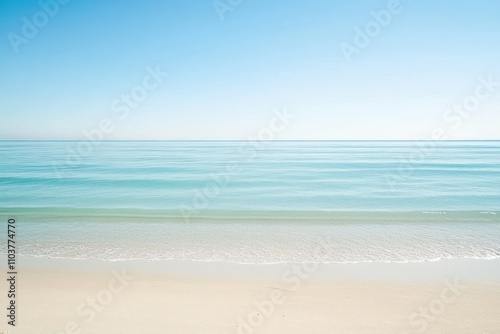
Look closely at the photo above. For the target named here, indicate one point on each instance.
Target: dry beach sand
(79, 297)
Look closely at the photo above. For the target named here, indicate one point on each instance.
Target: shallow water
(254, 202)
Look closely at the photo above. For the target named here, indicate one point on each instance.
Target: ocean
(253, 202)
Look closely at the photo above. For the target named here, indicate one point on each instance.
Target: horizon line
(244, 140)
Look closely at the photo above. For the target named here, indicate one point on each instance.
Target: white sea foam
(261, 243)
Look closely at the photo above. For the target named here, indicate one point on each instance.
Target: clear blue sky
(226, 76)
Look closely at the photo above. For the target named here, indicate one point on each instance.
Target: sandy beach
(55, 297)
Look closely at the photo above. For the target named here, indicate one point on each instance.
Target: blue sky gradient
(225, 77)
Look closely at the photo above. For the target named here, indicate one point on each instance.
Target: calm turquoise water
(254, 202)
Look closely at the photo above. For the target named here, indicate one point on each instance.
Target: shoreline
(474, 270)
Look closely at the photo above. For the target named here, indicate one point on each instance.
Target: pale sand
(160, 302)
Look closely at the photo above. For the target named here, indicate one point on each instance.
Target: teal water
(254, 202)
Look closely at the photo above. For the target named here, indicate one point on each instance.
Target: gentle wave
(206, 216)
